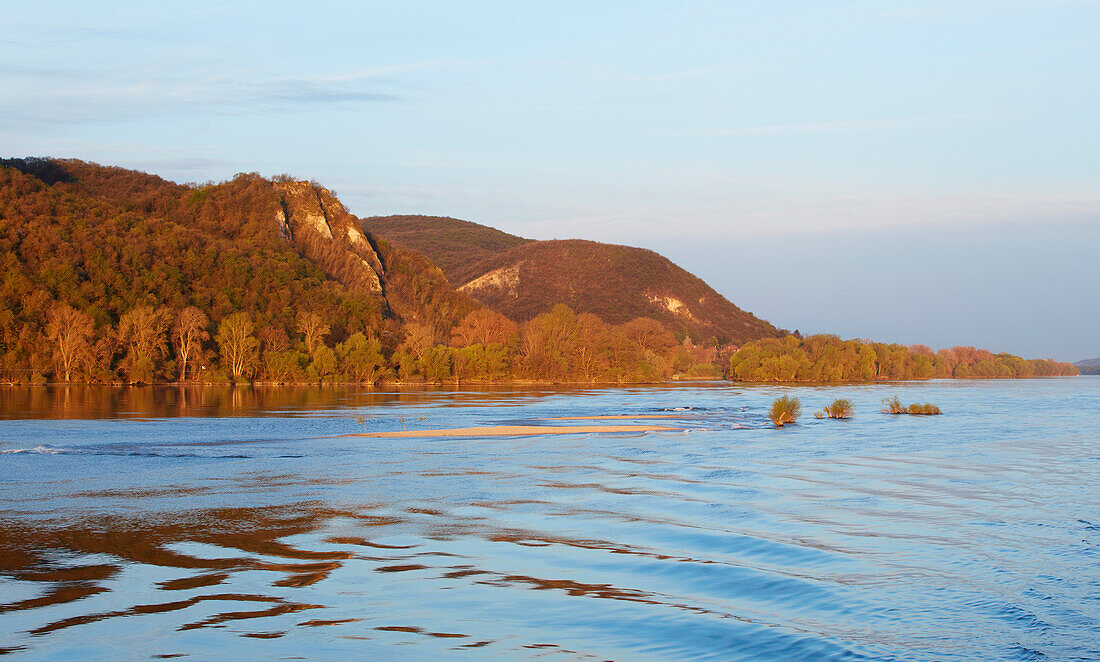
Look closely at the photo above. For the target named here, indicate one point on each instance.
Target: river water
(222, 524)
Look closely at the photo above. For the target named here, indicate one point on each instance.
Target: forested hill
(109, 275)
(106, 241)
(522, 278)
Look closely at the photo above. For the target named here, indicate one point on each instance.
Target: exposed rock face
(326, 233)
(504, 280)
(673, 305)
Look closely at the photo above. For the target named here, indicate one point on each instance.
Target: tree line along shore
(158, 345)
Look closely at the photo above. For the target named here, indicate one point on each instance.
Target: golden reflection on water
(97, 402)
(30, 553)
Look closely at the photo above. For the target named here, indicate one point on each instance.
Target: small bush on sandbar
(893, 406)
(840, 408)
(925, 409)
(785, 410)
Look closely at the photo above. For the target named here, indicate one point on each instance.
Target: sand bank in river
(513, 430)
(617, 417)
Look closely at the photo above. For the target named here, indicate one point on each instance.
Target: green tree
(548, 344)
(360, 357)
(283, 365)
(435, 364)
(323, 366)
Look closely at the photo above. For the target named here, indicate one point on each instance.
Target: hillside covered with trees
(522, 278)
(112, 276)
(115, 276)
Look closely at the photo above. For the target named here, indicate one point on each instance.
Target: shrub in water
(785, 410)
(925, 409)
(840, 408)
(893, 406)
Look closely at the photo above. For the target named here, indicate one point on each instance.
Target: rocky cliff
(328, 235)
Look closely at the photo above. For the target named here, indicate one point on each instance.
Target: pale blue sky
(913, 172)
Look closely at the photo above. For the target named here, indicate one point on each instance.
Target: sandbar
(616, 417)
(515, 430)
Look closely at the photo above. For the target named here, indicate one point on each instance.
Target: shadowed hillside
(522, 278)
(617, 283)
(1089, 366)
(454, 245)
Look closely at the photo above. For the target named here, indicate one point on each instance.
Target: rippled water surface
(225, 525)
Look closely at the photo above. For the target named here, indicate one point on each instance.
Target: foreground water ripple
(230, 524)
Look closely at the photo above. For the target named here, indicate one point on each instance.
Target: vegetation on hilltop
(166, 248)
(456, 246)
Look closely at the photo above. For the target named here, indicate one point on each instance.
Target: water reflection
(101, 402)
(49, 556)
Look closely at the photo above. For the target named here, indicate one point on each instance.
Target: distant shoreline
(527, 382)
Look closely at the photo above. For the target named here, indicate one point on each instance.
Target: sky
(908, 172)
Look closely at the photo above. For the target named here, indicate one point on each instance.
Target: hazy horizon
(923, 173)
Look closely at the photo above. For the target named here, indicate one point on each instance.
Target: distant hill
(1089, 366)
(522, 278)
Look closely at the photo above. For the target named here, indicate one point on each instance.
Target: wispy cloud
(835, 126)
(95, 98)
(98, 35)
(787, 213)
(295, 91)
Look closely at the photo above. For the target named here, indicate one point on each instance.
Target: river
(227, 524)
